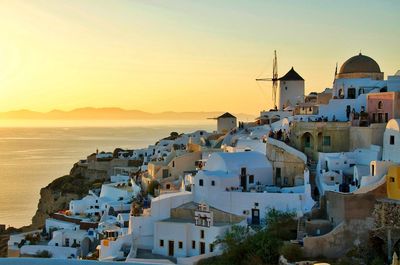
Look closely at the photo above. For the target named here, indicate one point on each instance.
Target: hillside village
(331, 158)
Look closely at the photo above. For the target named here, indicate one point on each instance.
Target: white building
(240, 170)
(356, 169)
(239, 182)
(391, 141)
(357, 77)
(181, 235)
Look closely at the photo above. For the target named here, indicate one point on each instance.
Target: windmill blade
(274, 78)
(264, 79)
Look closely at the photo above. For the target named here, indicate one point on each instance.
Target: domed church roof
(360, 64)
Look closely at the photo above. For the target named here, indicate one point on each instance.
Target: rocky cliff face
(3, 245)
(57, 195)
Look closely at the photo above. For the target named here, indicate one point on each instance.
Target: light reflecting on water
(31, 157)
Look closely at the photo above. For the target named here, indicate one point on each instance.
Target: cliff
(57, 195)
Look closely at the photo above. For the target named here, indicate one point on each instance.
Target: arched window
(380, 105)
(341, 93)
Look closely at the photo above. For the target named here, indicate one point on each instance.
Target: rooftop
(360, 64)
(292, 75)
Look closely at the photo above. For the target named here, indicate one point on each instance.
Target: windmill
(274, 78)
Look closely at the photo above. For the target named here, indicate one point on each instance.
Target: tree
(243, 246)
(152, 186)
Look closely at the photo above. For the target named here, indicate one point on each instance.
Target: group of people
(279, 135)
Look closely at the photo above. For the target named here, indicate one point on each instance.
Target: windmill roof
(226, 115)
(292, 75)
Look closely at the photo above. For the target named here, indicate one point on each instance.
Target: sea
(33, 153)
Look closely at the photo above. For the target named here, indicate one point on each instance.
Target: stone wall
(315, 131)
(290, 165)
(352, 217)
(363, 137)
(343, 207)
(340, 240)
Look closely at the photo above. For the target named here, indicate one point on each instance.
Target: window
(285, 87)
(211, 247)
(67, 242)
(391, 139)
(332, 178)
(212, 182)
(251, 179)
(202, 234)
(168, 186)
(386, 117)
(351, 93)
(161, 243)
(200, 182)
(391, 179)
(180, 244)
(326, 141)
(193, 244)
(380, 105)
(373, 170)
(173, 163)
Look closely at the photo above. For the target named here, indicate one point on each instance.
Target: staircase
(301, 228)
(312, 166)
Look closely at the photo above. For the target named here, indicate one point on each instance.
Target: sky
(181, 55)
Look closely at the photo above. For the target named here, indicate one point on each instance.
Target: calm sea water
(33, 154)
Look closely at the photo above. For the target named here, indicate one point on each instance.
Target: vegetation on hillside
(258, 245)
(77, 184)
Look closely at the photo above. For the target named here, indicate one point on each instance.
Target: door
(171, 248)
(202, 248)
(243, 178)
(255, 216)
(380, 118)
(278, 176)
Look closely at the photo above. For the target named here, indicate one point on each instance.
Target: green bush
(243, 247)
(292, 252)
(152, 186)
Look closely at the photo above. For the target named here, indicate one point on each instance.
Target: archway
(85, 247)
(307, 144)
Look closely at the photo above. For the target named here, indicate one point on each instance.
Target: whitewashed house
(391, 141)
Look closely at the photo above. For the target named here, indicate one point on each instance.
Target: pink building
(382, 107)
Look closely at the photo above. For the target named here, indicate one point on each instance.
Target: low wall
(57, 252)
(340, 240)
(195, 259)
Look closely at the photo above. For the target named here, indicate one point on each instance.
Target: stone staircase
(301, 228)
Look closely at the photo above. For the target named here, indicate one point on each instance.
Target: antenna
(274, 78)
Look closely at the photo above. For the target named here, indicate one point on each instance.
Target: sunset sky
(181, 55)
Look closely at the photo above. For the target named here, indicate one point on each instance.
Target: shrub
(152, 186)
(292, 252)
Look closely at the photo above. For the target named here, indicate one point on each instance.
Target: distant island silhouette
(90, 113)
